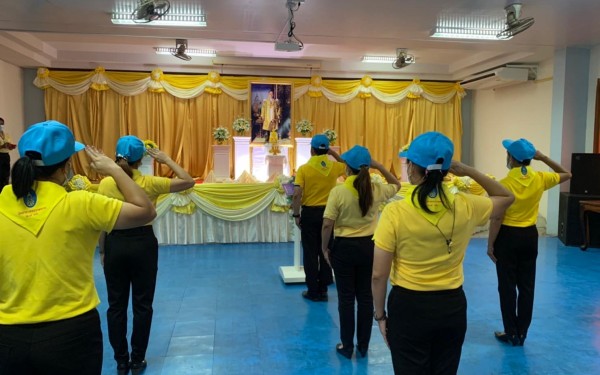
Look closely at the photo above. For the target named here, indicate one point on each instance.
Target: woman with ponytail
(351, 213)
(130, 257)
(48, 318)
(420, 245)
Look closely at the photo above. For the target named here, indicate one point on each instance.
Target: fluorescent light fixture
(189, 51)
(469, 26)
(379, 59)
(179, 14)
(198, 20)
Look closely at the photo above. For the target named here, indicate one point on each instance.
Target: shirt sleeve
(341, 168)
(332, 209)
(385, 233)
(101, 212)
(299, 180)
(160, 185)
(481, 207)
(551, 179)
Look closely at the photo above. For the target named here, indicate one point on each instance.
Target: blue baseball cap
(521, 149)
(52, 140)
(357, 157)
(320, 142)
(130, 148)
(428, 148)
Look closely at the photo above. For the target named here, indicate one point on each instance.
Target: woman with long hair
(351, 213)
(48, 318)
(420, 244)
(130, 257)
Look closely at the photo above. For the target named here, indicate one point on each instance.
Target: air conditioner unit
(500, 77)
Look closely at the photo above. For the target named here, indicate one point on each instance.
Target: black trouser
(64, 347)
(318, 273)
(4, 169)
(352, 261)
(130, 261)
(426, 330)
(516, 250)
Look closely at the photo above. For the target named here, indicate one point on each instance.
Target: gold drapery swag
(179, 112)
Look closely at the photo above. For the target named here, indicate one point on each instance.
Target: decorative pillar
(241, 158)
(221, 161)
(147, 167)
(302, 151)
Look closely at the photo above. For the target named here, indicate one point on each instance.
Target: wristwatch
(295, 215)
(381, 318)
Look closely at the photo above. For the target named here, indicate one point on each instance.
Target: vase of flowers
(221, 135)
(148, 144)
(331, 135)
(304, 127)
(241, 125)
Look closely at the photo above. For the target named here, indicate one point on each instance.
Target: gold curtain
(180, 112)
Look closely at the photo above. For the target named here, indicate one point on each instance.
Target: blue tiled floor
(223, 309)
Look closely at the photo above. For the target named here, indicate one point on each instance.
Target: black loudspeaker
(585, 169)
(570, 231)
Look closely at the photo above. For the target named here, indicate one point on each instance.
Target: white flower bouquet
(304, 126)
(221, 134)
(241, 125)
(331, 135)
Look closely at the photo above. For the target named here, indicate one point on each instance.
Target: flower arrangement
(304, 126)
(78, 182)
(331, 135)
(241, 125)
(221, 134)
(148, 144)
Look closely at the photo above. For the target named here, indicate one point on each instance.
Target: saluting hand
(100, 162)
(459, 169)
(158, 155)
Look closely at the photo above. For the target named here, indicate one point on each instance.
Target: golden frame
(280, 112)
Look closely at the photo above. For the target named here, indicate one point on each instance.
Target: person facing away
(314, 180)
(48, 318)
(513, 242)
(130, 257)
(5, 146)
(420, 244)
(351, 213)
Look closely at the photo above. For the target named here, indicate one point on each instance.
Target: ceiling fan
(403, 59)
(514, 23)
(180, 49)
(150, 10)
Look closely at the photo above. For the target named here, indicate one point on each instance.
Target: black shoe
(346, 352)
(318, 298)
(123, 368)
(522, 340)
(138, 367)
(362, 351)
(505, 337)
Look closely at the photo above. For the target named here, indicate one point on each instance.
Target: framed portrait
(270, 109)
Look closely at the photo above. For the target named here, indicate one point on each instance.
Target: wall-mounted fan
(180, 49)
(150, 10)
(514, 23)
(403, 59)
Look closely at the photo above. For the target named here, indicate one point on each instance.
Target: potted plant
(304, 127)
(221, 135)
(241, 125)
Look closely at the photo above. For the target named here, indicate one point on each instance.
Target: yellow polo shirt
(152, 185)
(317, 177)
(528, 189)
(47, 252)
(421, 257)
(343, 208)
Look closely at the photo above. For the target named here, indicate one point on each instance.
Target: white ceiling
(78, 34)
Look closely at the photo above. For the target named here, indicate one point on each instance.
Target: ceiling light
(166, 20)
(470, 26)
(189, 51)
(190, 15)
(379, 59)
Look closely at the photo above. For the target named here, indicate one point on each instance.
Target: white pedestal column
(302, 151)
(241, 158)
(221, 161)
(295, 273)
(147, 167)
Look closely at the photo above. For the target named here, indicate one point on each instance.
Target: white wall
(519, 111)
(12, 103)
